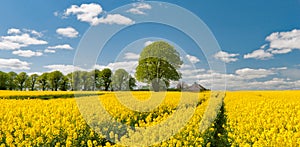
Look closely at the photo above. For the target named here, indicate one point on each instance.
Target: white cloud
(14, 64)
(291, 73)
(65, 69)
(67, 32)
(13, 31)
(38, 73)
(148, 43)
(63, 46)
(33, 32)
(129, 66)
(259, 54)
(131, 56)
(49, 51)
(248, 73)
(226, 57)
(90, 13)
(285, 40)
(193, 59)
(18, 41)
(27, 53)
(279, 43)
(139, 8)
(116, 19)
(85, 12)
(279, 51)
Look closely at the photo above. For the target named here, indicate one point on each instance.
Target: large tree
(158, 61)
(105, 76)
(75, 80)
(43, 81)
(3, 80)
(21, 79)
(85, 80)
(55, 78)
(11, 83)
(32, 81)
(132, 82)
(94, 76)
(64, 83)
(120, 80)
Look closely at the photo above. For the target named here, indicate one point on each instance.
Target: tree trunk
(155, 85)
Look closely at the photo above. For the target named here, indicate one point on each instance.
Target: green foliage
(120, 80)
(218, 136)
(42, 80)
(64, 83)
(158, 61)
(11, 83)
(3, 80)
(55, 78)
(31, 81)
(21, 79)
(105, 75)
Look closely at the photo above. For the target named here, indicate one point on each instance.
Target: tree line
(78, 80)
(158, 65)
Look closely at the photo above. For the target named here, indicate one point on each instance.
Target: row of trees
(158, 65)
(78, 80)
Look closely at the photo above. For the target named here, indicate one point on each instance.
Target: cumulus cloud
(49, 51)
(259, 54)
(115, 19)
(279, 43)
(148, 43)
(65, 69)
(27, 53)
(14, 64)
(129, 66)
(139, 8)
(131, 56)
(226, 57)
(13, 31)
(244, 78)
(90, 13)
(293, 73)
(285, 40)
(67, 32)
(248, 73)
(33, 32)
(193, 59)
(85, 12)
(17, 39)
(63, 46)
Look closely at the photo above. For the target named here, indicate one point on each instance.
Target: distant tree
(132, 83)
(120, 80)
(105, 76)
(21, 79)
(158, 61)
(3, 80)
(85, 80)
(31, 81)
(76, 80)
(64, 83)
(43, 80)
(94, 78)
(11, 83)
(55, 78)
(71, 81)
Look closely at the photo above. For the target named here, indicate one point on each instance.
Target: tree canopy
(158, 61)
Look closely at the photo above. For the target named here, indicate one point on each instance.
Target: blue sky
(259, 41)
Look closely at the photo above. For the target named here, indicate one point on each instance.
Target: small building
(196, 88)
